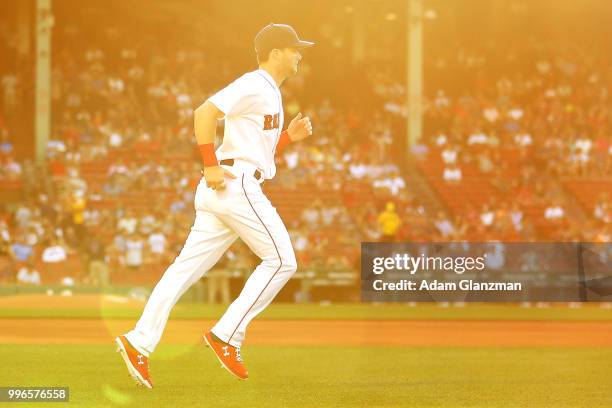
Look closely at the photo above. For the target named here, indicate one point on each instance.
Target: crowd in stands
(517, 138)
(529, 129)
(117, 189)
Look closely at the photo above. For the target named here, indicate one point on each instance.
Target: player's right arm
(205, 125)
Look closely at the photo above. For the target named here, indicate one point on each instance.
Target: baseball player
(229, 203)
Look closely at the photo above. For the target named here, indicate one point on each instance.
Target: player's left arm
(299, 128)
(205, 125)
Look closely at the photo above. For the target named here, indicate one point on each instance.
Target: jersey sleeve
(234, 98)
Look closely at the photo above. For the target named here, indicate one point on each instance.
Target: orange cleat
(136, 362)
(228, 356)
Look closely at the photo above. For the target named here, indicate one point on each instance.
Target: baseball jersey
(253, 110)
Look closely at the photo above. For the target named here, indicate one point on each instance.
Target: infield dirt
(325, 332)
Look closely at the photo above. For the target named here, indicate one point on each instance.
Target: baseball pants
(240, 210)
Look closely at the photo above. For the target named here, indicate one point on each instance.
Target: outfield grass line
(316, 319)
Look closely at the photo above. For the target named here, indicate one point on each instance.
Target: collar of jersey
(268, 77)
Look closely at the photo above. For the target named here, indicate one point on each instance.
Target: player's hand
(299, 128)
(215, 177)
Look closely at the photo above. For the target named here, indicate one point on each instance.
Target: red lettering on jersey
(267, 122)
(271, 122)
(275, 124)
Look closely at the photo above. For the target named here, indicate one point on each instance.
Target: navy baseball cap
(278, 36)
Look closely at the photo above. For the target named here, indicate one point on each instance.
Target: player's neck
(274, 73)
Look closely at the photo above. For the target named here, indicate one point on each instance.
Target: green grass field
(187, 376)
(330, 376)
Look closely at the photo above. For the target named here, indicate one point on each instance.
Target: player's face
(291, 59)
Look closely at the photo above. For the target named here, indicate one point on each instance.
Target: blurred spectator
(134, 251)
(603, 210)
(449, 155)
(604, 235)
(329, 215)
(55, 252)
(128, 222)
(11, 170)
(460, 229)
(477, 138)
(582, 149)
(21, 249)
(523, 139)
(146, 224)
(495, 257)
(394, 183)
(22, 216)
(312, 215)
(218, 279)
(516, 216)
(6, 146)
(27, 275)
(554, 212)
(299, 239)
(157, 244)
(444, 226)
(485, 164)
(452, 174)
(389, 223)
(78, 208)
(6, 258)
(97, 265)
(487, 216)
(529, 262)
(291, 159)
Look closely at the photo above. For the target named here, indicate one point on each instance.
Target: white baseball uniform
(253, 122)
